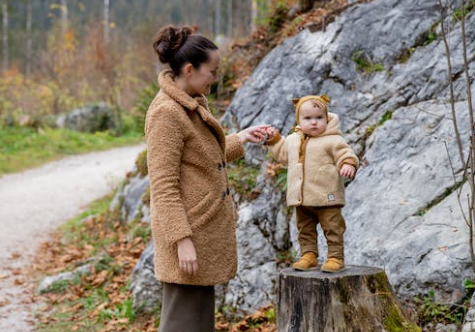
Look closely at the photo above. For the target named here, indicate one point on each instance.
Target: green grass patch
(429, 310)
(457, 15)
(387, 116)
(23, 148)
(72, 230)
(365, 64)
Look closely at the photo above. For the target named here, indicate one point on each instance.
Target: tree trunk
(254, 14)
(5, 36)
(106, 22)
(306, 4)
(64, 16)
(230, 19)
(217, 18)
(358, 299)
(29, 40)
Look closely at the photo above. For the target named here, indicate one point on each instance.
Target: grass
(24, 148)
(363, 63)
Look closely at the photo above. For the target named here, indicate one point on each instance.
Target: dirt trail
(34, 203)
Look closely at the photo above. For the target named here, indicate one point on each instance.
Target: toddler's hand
(254, 134)
(347, 171)
(271, 132)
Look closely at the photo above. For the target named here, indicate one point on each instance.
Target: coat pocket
(201, 208)
(328, 178)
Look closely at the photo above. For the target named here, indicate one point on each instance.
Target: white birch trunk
(5, 36)
(254, 15)
(230, 19)
(64, 16)
(217, 17)
(29, 40)
(106, 22)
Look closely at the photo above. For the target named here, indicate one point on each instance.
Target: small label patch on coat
(331, 197)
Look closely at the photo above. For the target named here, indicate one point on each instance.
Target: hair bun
(169, 40)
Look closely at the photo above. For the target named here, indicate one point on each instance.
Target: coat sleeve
(343, 154)
(278, 149)
(234, 148)
(165, 140)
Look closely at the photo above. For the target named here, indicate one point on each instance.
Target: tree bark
(106, 22)
(29, 40)
(230, 19)
(217, 18)
(5, 36)
(358, 299)
(254, 15)
(64, 17)
(306, 4)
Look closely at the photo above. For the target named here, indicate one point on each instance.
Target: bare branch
(451, 85)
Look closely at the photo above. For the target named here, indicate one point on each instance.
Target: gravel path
(34, 203)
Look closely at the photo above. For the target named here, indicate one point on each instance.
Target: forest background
(61, 54)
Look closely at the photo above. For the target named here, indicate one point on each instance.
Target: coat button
(220, 166)
(227, 191)
(224, 195)
(224, 164)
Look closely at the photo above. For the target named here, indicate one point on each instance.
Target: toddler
(318, 158)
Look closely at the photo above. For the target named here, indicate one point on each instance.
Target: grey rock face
(469, 324)
(129, 199)
(402, 212)
(397, 214)
(147, 293)
(91, 118)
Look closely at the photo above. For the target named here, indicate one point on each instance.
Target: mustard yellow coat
(313, 179)
(187, 156)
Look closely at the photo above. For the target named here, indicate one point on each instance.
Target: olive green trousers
(187, 308)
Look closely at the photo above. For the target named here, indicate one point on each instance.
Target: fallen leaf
(4, 302)
(19, 281)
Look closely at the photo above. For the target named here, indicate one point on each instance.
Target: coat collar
(198, 104)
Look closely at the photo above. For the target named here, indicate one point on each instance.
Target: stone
(89, 118)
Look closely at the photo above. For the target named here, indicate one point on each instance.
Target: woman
(192, 212)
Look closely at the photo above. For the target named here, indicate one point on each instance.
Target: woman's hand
(253, 134)
(187, 256)
(347, 171)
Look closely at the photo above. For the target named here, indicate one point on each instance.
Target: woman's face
(200, 79)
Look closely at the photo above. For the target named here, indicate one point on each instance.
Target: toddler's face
(312, 119)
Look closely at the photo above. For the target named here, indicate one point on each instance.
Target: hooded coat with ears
(187, 157)
(313, 179)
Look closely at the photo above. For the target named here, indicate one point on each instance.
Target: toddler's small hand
(347, 171)
(271, 132)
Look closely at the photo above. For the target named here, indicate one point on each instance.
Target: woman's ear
(188, 69)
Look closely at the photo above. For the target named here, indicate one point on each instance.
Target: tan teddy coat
(314, 180)
(187, 156)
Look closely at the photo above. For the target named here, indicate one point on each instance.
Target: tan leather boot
(333, 265)
(308, 261)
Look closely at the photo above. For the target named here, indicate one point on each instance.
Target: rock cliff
(384, 66)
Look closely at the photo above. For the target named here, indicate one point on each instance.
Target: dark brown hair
(178, 46)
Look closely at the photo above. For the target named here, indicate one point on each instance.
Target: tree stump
(358, 299)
